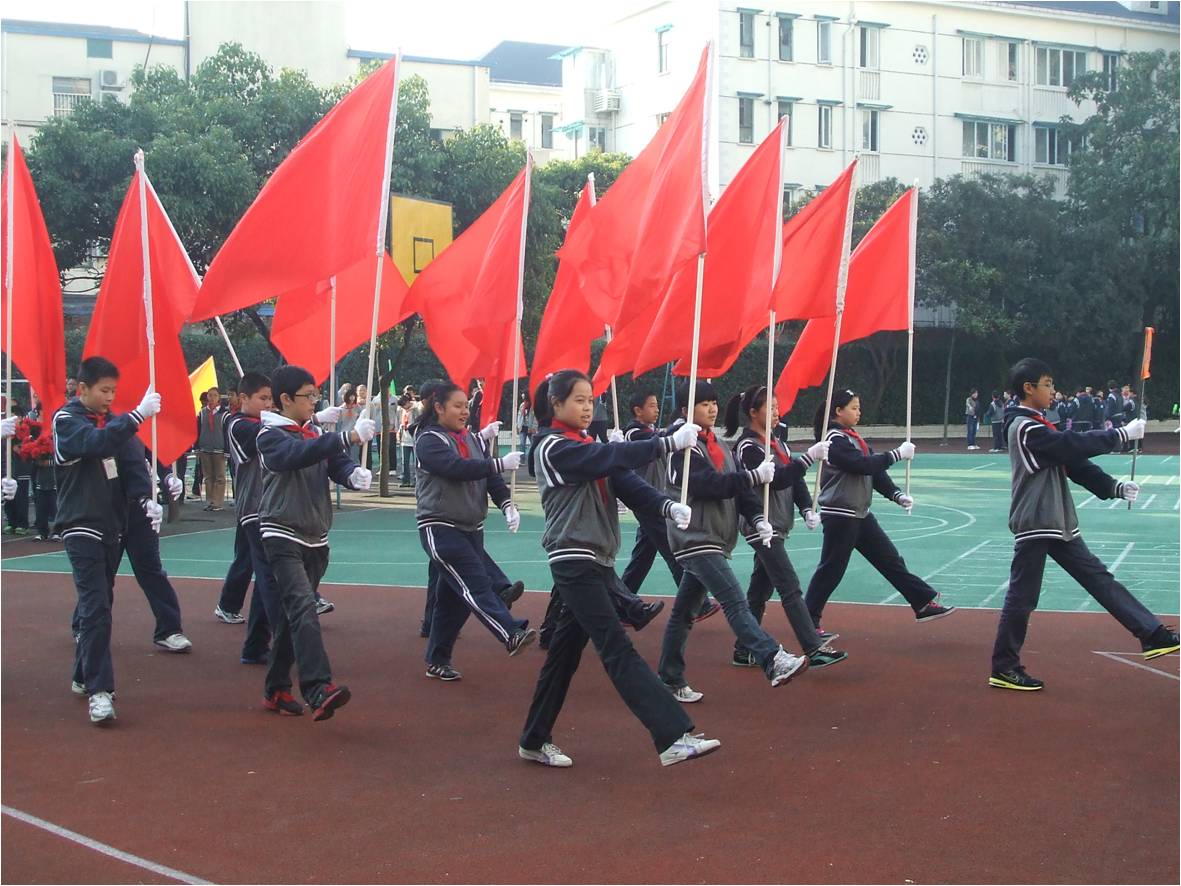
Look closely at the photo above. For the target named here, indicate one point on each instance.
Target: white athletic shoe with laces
(687, 695)
(101, 707)
(549, 755)
(785, 666)
(687, 747)
(175, 643)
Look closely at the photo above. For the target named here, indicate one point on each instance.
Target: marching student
(847, 484)
(579, 480)
(89, 446)
(456, 477)
(294, 515)
(773, 570)
(1043, 521)
(718, 493)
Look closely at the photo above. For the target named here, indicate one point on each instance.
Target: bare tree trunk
(253, 316)
(947, 385)
(383, 386)
(383, 483)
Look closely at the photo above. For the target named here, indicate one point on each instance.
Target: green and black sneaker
(1015, 679)
(1162, 642)
(825, 656)
(743, 659)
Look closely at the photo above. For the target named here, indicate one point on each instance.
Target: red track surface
(897, 765)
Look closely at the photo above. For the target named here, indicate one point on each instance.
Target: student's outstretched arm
(281, 450)
(749, 454)
(1094, 479)
(885, 485)
(707, 483)
(801, 493)
(1039, 445)
(633, 491)
(438, 458)
(567, 462)
(498, 490)
(74, 436)
(845, 456)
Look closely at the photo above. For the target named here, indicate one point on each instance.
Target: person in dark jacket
(994, 416)
(1113, 406)
(212, 449)
(89, 445)
(1083, 411)
(1044, 523)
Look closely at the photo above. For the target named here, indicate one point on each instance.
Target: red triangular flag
(877, 298)
(118, 329)
(568, 326)
(651, 221)
(38, 340)
(320, 211)
(619, 357)
(302, 323)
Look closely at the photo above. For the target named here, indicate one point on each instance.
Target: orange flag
(1144, 367)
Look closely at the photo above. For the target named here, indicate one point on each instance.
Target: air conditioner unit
(607, 101)
(111, 80)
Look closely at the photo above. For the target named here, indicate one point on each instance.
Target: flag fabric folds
(877, 298)
(201, 380)
(38, 339)
(318, 213)
(118, 329)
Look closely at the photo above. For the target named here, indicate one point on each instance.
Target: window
(1110, 63)
(1011, 59)
(869, 129)
(746, 34)
(99, 48)
(824, 127)
(515, 119)
(787, 109)
(973, 57)
(68, 92)
(746, 121)
(990, 141)
(547, 130)
(870, 48)
(786, 34)
(1051, 147)
(597, 138)
(824, 43)
(1059, 67)
(660, 118)
(661, 52)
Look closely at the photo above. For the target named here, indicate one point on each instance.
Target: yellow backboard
(419, 230)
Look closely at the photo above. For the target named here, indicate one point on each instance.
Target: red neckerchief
(100, 419)
(464, 451)
(307, 431)
(864, 446)
(715, 451)
(578, 436)
(775, 447)
(211, 413)
(1039, 417)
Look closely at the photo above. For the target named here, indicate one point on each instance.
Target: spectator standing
(526, 422)
(211, 446)
(1113, 407)
(972, 417)
(994, 415)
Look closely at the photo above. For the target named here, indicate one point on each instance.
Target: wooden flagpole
(229, 346)
(1144, 357)
(332, 341)
(149, 316)
(914, 227)
(10, 187)
(520, 313)
(776, 264)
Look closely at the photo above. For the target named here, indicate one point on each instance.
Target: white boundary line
(1123, 555)
(931, 575)
(979, 467)
(102, 848)
(1115, 656)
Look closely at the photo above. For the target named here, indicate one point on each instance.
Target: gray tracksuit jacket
(789, 489)
(452, 489)
(717, 497)
(849, 478)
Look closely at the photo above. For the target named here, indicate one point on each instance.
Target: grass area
(957, 538)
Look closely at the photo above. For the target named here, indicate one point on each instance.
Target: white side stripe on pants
(465, 592)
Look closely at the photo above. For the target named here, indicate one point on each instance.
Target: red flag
(118, 329)
(568, 326)
(651, 221)
(302, 324)
(1146, 363)
(38, 342)
(877, 298)
(741, 252)
(320, 211)
(619, 357)
(474, 282)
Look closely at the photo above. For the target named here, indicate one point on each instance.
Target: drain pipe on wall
(848, 73)
(934, 99)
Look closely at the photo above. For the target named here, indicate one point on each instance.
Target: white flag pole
(383, 215)
(9, 185)
(914, 227)
(842, 281)
(332, 342)
(776, 263)
(149, 316)
(233, 354)
(520, 313)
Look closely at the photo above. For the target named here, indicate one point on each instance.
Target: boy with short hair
(294, 515)
(91, 513)
(1043, 520)
(212, 449)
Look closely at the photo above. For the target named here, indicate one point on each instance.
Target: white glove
(685, 436)
(361, 479)
(8, 487)
(365, 429)
(765, 472)
(906, 450)
(149, 405)
(512, 517)
(819, 451)
(615, 436)
(330, 415)
(489, 432)
(905, 502)
(1130, 491)
(766, 533)
(680, 514)
(154, 513)
(1135, 429)
(811, 519)
(511, 461)
(8, 426)
(175, 486)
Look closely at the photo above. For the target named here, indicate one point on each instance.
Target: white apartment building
(921, 90)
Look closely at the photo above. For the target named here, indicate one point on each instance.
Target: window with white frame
(1050, 146)
(660, 118)
(870, 119)
(787, 108)
(1059, 67)
(824, 126)
(515, 124)
(985, 140)
(597, 138)
(661, 51)
(68, 92)
(746, 121)
(974, 57)
(824, 42)
(786, 39)
(869, 47)
(547, 130)
(746, 34)
(1009, 60)
(1110, 64)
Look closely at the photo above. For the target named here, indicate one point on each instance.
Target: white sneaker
(101, 707)
(785, 666)
(549, 755)
(175, 643)
(687, 747)
(77, 688)
(323, 607)
(687, 695)
(230, 618)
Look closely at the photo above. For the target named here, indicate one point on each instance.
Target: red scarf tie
(715, 451)
(864, 446)
(578, 436)
(464, 451)
(307, 431)
(776, 448)
(210, 418)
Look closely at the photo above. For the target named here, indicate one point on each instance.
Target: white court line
(1147, 503)
(1089, 499)
(896, 595)
(1115, 504)
(1003, 586)
(979, 467)
(101, 848)
(1115, 656)
(1114, 566)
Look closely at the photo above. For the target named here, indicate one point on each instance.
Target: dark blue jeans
(651, 539)
(773, 572)
(972, 422)
(94, 564)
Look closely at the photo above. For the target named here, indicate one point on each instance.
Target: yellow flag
(201, 380)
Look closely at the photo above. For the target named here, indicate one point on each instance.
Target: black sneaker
(1015, 679)
(1162, 642)
(281, 702)
(446, 673)
(825, 656)
(933, 611)
(743, 659)
(708, 609)
(518, 641)
(424, 631)
(327, 700)
(512, 593)
(645, 614)
(826, 637)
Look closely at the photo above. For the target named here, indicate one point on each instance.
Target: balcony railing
(65, 102)
(869, 85)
